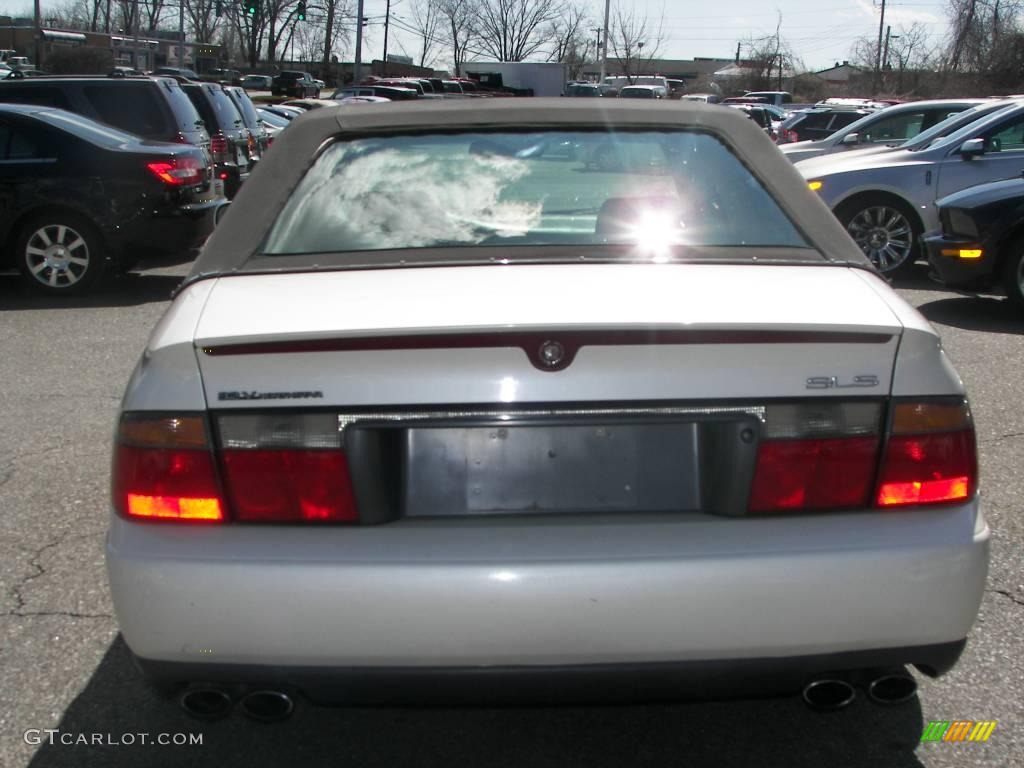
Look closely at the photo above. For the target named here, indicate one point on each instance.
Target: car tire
(59, 253)
(886, 229)
(1013, 273)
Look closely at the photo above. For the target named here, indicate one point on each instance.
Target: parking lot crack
(38, 570)
(1000, 438)
(1007, 594)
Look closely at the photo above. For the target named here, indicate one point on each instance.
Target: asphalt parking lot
(63, 365)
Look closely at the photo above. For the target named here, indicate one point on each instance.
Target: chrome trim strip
(346, 420)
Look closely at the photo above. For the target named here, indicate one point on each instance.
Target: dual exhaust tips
(826, 693)
(833, 692)
(212, 703)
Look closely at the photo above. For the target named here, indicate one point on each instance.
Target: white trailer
(544, 79)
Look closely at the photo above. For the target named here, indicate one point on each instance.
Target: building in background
(145, 51)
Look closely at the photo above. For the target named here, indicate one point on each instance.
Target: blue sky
(821, 31)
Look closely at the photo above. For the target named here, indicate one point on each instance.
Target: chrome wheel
(884, 234)
(57, 256)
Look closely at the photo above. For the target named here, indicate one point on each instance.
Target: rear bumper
(565, 592)
(956, 272)
(559, 683)
(169, 231)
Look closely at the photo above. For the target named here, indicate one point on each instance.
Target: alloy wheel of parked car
(886, 234)
(59, 253)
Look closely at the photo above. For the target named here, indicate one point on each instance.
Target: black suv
(818, 123)
(151, 107)
(229, 138)
(301, 85)
(79, 197)
(259, 139)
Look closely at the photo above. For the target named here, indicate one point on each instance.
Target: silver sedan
(886, 200)
(439, 413)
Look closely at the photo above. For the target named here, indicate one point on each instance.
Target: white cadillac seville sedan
(547, 399)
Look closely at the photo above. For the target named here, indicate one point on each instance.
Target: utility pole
(604, 43)
(357, 64)
(597, 49)
(181, 33)
(885, 50)
(387, 20)
(738, 44)
(878, 52)
(135, 39)
(39, 35)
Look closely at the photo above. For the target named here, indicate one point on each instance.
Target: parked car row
(888, 182)
(99, 172)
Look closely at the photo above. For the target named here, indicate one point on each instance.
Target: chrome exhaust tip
(205, 703)
(828, 694)
(266, 706)
(893, 687)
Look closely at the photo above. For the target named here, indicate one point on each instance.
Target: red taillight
(930, 457)
(164, 470)
(286, 468)
(814, 474)
(817, 455)
(219, 148)
(178, 171)
(790, 136)
(289, 486)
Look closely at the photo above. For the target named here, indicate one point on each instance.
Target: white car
(438, 413)
(890, 126)
(886, 200)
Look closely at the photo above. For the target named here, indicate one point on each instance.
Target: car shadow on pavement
(122, 291)
(975, 313)
(762, 732)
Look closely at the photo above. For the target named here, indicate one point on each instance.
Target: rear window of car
(215, 107)
(43, 96)
(244, 105)
(291, 75)
(185, 114)
(89, 130)
(654, 189)
(843, 119)
(815, 120)
(134, 108)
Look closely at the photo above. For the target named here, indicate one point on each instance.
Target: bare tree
(425, 18)
(201, 15)
(515, 30)
(458, 18)
(634, 40)
(571, 44)
(767, 60)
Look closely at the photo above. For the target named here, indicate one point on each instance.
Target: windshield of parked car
(951, 125)
(654, 189)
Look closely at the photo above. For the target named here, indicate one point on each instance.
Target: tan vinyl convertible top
(235, 246)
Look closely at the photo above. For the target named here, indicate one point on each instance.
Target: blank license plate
(551, 469)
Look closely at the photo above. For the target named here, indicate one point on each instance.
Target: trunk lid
(463, 335)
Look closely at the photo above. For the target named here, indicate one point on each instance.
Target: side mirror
(972, 148)
(219, 213)
(850, 139)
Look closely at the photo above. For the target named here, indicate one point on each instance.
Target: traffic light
(300, 12)
(251, 6)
